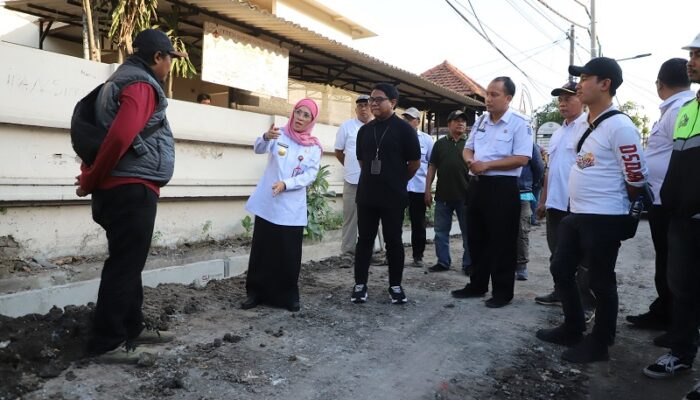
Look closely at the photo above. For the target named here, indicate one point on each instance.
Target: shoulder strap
(594, 125)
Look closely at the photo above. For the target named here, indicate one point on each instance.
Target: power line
(528, 19)
(537, 10)
(538, 49)
(559, 14)
(488, 39)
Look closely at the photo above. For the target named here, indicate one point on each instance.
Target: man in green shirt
(452, 173)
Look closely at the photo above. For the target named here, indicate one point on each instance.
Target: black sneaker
(438, 268)
(359, 294)
(560, 335)
(648, 321)
(418, 262)
(667, 366)
(693, 394)
(397, 295)
(548, 300)
(467, 292)
(588, 351)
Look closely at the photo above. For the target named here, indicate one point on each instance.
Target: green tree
(181, 67)
(129, 17)
(634, 111)
(546, 113)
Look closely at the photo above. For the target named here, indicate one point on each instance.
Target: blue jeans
(443, 223)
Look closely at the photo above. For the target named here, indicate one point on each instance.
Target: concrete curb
(40, 301)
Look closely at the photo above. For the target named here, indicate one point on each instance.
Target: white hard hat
(695, 44)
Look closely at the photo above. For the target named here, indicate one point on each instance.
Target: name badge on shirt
(282, 150)
(376, 167)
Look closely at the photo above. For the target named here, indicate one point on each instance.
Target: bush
(320, 214)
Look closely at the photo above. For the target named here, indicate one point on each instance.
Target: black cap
(457, 114)
(152, 40)
(568, 88)
(602, 67)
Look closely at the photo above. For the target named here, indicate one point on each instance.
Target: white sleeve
(668, 124)
(469, 144)
(628, 150)
(261, 146)
(522, 140)
(308, 176)
(340, 138)
(429, 144)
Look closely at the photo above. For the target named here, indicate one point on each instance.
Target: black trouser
(684, 281)
(662, 307)
(493, 212)
(127, 213)
(368, 218)
(583, 278)
(416, 211)
(596, 239)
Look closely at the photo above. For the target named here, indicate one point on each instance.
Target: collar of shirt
(680, 96)
(505, 118)
(461, 137)
(581, 118)
(612, 107)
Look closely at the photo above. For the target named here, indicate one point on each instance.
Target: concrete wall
(215, 171)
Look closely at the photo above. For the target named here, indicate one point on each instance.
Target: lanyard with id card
(376, 166)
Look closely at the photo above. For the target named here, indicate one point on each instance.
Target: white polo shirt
(417, 183)
(562, 155)
(610, 157)
(510, 136)
(660, 144)
(292, 163)
(346, 140)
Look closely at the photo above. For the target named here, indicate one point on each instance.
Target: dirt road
(434, 347)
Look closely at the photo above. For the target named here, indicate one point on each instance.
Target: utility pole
(572, 41)
(594, 51)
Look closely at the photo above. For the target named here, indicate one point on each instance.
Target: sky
(416, 35)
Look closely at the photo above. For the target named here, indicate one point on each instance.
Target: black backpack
(87, 136)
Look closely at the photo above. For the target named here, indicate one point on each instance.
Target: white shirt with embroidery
(417, 183)
(610, 157)
(346, 140)
(510, 136)
(562, 155)
(296, 166)
(660, 144)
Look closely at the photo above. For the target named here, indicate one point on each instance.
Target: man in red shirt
(134, 161)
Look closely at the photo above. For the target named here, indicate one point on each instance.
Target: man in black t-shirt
(389, 155)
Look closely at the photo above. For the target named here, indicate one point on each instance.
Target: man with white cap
(680, 195)
(416, 188)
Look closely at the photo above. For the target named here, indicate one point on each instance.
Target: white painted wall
(215, 169)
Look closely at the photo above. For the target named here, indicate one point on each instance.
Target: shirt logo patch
(585, 160)
(684, 121)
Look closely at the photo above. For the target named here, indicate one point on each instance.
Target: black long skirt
(274, 264)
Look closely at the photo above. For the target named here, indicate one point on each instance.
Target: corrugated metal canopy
(313, 57)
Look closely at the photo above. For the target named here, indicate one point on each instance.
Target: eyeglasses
(377, 99)
(302, 113)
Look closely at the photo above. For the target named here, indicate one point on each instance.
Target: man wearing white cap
(416, 188)
(680, 195)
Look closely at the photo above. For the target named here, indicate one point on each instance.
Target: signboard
(241, 61)
(545, 132)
